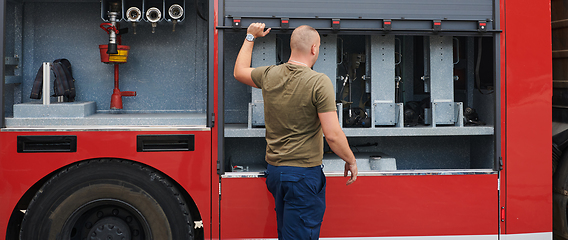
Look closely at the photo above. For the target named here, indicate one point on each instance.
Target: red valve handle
(108, 27)
(128, 93)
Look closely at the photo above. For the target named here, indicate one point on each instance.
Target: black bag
(64, 84)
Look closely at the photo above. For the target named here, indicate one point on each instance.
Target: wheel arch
(14, 223)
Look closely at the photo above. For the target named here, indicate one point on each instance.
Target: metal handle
(46, 83)
(128, 93)
(457, 47)
(108, 27)
(341, 51)
(400, 48)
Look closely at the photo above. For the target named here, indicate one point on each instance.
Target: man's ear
(314, 49)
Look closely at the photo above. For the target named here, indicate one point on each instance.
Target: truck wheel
(107, 199)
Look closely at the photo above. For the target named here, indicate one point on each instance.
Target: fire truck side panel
(167, 68)
(431, 205)
(446, 178)
(527, 196)
(443, 177)
(19, 171)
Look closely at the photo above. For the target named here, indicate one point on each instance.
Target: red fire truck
(447, 105)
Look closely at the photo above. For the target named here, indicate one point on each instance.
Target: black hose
(559, 144)
(199, 12)
(561, 140)
(477, 80)
(556, 154)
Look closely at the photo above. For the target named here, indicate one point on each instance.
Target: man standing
(299, 104)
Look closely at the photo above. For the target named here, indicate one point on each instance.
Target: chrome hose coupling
(153, 15)
(133, 15)
(176, 12)
(112, 43)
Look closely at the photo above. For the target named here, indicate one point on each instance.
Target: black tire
(115, 198)
(14, 224)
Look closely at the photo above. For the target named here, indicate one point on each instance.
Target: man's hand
(257, 30)
(338, 143)
(353, 169)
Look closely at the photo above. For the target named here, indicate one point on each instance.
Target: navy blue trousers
(299, 196)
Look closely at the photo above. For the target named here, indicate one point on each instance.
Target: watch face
(250, 37)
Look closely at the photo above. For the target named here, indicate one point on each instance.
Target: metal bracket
(46, 82)
(437, 25)
(482, 26)
(387, 25)
(237, 23)
(387, 114)
(264, 54)
(11, 61)
(400, 118)
(446, 113)
(256, 113)
(284, 24)
(340, 113)
(459, 114)
(384, 110)
(249, 123)
(336, 24)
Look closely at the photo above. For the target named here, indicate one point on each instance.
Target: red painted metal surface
(527, 88)
(214, 211)
(430, 205)
(19, 171)
(503, 114)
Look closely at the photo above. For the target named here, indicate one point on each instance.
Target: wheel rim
(110, 228)
(106, 219)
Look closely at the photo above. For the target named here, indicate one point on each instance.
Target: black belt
(64, 84)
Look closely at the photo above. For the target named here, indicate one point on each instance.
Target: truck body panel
(458, 177)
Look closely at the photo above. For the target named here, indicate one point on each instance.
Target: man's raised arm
(242, 69)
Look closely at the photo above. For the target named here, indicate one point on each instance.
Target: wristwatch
(250, 37)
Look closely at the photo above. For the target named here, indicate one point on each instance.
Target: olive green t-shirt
(293, 97)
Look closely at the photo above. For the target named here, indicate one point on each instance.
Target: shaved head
(303, 38)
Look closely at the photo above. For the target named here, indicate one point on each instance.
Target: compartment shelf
(113, 119)
(241, 130)
(422, 172)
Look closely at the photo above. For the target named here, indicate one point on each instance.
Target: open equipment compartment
(417, 85)
(166, 69)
